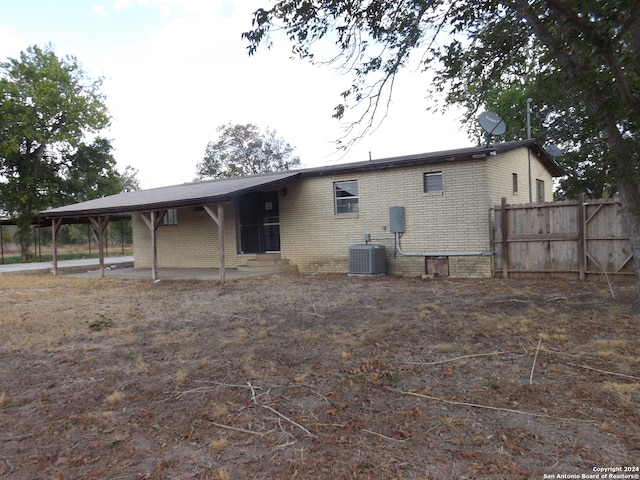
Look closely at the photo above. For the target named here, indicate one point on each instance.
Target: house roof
(480, 152)
(222, 190)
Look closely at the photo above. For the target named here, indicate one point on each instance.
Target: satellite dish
(492, 123)
(553, 150)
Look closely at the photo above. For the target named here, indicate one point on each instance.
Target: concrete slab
(65, 265)
(122, 267)
(171, 273)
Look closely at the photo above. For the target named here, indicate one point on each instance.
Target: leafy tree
(91, 172)
(558, 118)
(47, 106)
(243, 150)
(591, 48)
(129, 181)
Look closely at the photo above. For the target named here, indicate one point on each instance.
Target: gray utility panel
(396, 219)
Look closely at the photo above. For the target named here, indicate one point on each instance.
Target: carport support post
(219, 219)
(154, 246)
(99, 225)
(152, 222)
(55, 226)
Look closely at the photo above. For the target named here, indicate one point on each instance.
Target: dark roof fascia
(477, 153)
(401, 162)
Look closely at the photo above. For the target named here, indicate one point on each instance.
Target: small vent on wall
(367, 260)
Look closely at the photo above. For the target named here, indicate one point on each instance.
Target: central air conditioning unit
(367, 260)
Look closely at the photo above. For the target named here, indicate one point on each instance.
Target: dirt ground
(317, 377)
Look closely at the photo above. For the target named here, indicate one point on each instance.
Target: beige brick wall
(318, 240)
(192, 243)
(500, 170)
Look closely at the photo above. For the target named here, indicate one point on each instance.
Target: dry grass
(315, 377)
(115, 398)
(181, 377)
(218, 445)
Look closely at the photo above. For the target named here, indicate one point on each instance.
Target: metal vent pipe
(436, 253)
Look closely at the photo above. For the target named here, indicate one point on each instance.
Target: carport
(152, 205)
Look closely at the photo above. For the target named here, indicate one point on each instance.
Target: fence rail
(574, 239)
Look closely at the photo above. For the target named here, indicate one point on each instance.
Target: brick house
(312, 217)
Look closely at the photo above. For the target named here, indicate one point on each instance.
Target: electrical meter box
(396, 219)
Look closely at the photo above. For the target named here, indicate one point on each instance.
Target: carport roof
(184, 195)
(223, 190)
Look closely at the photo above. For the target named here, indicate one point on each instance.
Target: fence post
(582, 240)
(505, 238)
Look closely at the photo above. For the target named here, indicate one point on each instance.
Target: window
(539, 191)
(433, 182)
(346, 196)
(170, 217)
(515, 182)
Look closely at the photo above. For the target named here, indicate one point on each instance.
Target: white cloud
(99, 10)
(11, 44)
(119, 5)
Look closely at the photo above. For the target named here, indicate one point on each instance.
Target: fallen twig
(383, 436)
(558, 298)
(215, 385)
(236, 429)
(613, 295)
(535, 358)
(231, 315)
(9, 467)
(477, 405)
(292, 422)
(314, 314)
(514, 289)
(457, 358)
(604, 371)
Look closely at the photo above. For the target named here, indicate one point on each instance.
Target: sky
(175, 70)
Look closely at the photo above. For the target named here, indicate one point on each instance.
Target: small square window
(433, 182)
(346, 196)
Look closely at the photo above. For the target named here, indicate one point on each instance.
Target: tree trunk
(630, 198)
(24, 231)
(24, 238)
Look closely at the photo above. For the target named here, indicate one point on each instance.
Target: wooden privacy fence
(576, 239)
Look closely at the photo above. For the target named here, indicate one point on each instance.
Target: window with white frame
(346, 196)
(514, 180)
(433, 182)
